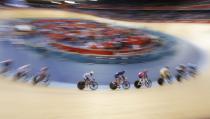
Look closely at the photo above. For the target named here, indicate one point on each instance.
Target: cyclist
(165, 73)
(143, 80)
(119, 77)
(22, 71)
(42, 76)
(6, 65)
(181, 69)
(143, 75)
(88, 77)
(192, 69)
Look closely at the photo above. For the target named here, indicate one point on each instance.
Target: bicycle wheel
(160, 81)
(25, 78)
(93, 85)
(35, 80)
(137, 84)
(126, 85)
(148, 83)
(81, 85)
(193, 74)
(17, 76)
(169, 79)
(113, 86)
(178, 77)
(44, 83)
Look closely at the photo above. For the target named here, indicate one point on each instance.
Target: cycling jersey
(142, 75)
(88, 76)
(23, 69)
(118, 74)
(165, 73)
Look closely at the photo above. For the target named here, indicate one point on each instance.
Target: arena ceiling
(132, 2)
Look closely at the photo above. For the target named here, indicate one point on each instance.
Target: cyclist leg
(118, 81)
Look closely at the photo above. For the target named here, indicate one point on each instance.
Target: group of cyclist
(120, 79)
(165, 75)
(23, 72)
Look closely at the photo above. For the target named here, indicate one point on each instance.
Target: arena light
(70, 2)
(55, 2)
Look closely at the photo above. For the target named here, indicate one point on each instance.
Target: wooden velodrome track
(187, 100)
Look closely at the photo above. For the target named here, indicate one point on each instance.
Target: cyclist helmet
(91, 72)
(7, 62)
(167, 67)
(190, 65)
(44, 68)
